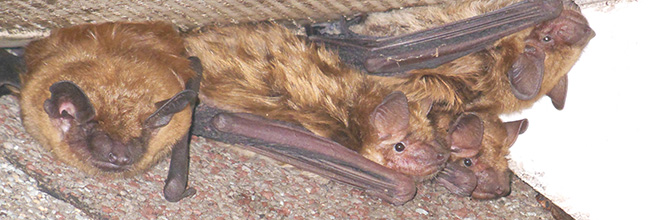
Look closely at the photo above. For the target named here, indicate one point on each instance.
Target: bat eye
(399, 147)
(547, 39)
(467, 162)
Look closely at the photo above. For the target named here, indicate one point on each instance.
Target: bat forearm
(307, 151)
(435, 46)
(177, 176)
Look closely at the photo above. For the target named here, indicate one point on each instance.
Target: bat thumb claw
(222, 122)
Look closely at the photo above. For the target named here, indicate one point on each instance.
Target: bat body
(257, 53)
(266, 70)
(506, 76)
(478, 166)
(112, 99)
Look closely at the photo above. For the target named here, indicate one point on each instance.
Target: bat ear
(513, 129)
(466, 134)
(193, 83)
(426, 105)
(559, 93)
(167, 108)
(67, 100)
(391, 117)
(526, 73)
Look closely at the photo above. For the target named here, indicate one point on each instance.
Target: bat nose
(119, 159)
(119, 155)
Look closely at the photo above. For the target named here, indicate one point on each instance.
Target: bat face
(478, 165)
(99, 136)
(550, 50)
(396, 146)
(74, 117)
(107, 98)
(414, 158)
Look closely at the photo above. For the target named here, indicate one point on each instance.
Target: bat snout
(119, 157)
(492, 184)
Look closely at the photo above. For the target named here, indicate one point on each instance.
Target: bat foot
(175, 191)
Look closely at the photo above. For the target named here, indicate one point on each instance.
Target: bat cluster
(380, 113)
(504, 76)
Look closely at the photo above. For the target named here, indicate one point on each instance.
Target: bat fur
(266, 70)
(480, 81)
(116, 102)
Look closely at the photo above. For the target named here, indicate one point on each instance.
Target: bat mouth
(109, 167)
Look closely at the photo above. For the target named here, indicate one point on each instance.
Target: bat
(507, 73)
(112, 98)
(478, 166)
(266, 70)
(432, 47)
(305, 150)
(246, 67)
(481, 170)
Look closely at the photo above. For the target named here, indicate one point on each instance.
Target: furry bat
(305, 150)
(432, 47)
(479, 169)
(267, 71)
(509, 75)
(478, 166)
(469, 187)
(112, 99)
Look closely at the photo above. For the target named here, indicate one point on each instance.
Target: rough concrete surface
(231, 184)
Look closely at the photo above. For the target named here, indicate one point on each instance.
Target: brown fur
(477, 81)
(268, 71)
(124, 68)
(489, 164)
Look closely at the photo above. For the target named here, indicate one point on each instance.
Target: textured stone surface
(231, 184)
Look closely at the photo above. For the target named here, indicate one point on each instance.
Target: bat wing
(11, 66)
(176, 183)
(296, 146)
(432, 47)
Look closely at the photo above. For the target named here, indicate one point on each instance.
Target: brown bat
(480, 143)
(328, 164)
(504, 76)
(481, 170)
(268, 71)
(488, 81)
(112, 98)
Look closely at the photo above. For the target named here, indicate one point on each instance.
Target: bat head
(101, 140)
(478, 165)
(396, 145)
(550, 50)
